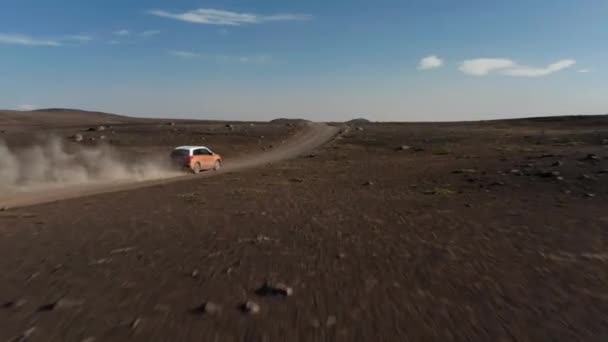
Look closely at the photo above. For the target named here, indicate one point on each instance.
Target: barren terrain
(485, 231)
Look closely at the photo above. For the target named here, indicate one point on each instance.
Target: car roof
(191, 148)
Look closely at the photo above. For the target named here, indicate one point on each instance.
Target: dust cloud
(50, 163)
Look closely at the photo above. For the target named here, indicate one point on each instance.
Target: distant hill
(59, 117)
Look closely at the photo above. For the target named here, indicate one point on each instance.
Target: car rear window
(180, 153)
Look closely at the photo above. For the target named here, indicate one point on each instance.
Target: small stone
(101, 128)
(516, 172)
(586, 177)
(359, 128)
(592, 157)
(403, 148)
(278, 289)
(331, 321)
(103, 137)
(136, 323)
(77, 137)
(559, 178)
(549, 174)
(14, 304)
(25, 335)
(3, 208)
(605, 141)
(89, 339)
(195, 273)
(341, 255)
(296, 180)
(315, 323)
(557, 163)
(589, 195)
(211, 308)
(567, 192)
(251, 307)
(605, 171)
(368, 183)
(460, 171)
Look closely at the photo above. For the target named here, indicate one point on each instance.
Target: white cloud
(484, 66)
(113, 42)
(430, 62)
(507, 67)
(524, 71)
(185, 54)
(150, 33)
(26, 107)
(221, 17)
(122, 32)
(245, 59)
(80, 38)
(19, 39)
(584, 71)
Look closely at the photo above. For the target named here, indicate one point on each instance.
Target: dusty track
(311, 137)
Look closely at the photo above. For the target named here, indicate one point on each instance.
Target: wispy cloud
(484, 66)
(150, 33)
(185, 54)
(245, 59)
(524, 71)
(430, 62)
(27, 107)
(20, 39)
(584, 71)
(79, 38)
(508, 67)
(114, 42)
(122, 32)
(221, 17)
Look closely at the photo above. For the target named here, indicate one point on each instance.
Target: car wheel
(197, 168)
(217, 165)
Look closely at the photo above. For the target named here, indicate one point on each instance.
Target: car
(196, 158)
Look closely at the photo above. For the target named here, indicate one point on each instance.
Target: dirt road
(310, 137)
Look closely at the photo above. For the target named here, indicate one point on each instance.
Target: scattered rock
(312, 155)
(516, 172)
(604, 171)
(171, 123)
(122, 250)
(14, 304)
(250, 307)
(589, 195)
(360, 129)
(3, 208)
(278, 289)
(368, 183)
(24, 336)
(89, 339)
(592, 157)
(465, 171)
(136, 323)
(103, 137)
(77, 137)
(403, 148)
(549, 174)
(208, 308)
(341, 255)
(63, 303)
(586, 177)
(557, 163)
(605, 141)
(101, 128)
(195, 273)
(331, 321)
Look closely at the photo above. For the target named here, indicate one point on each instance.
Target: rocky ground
(492, 231)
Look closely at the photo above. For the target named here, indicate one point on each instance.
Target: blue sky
(322, 60)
